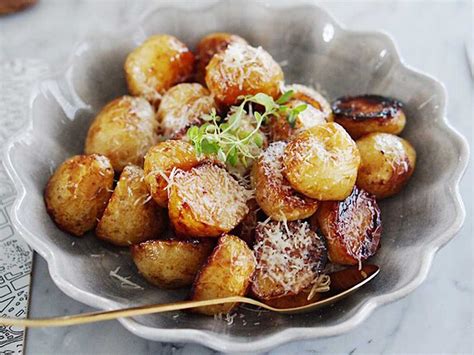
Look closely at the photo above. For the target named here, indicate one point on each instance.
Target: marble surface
(436, 318)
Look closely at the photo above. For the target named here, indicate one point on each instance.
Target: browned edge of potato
(171, 263)
(227, 272)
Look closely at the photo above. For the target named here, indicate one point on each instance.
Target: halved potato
(123, 131)
(273, 192)
(160, 161)
(322, 162)
(290, 257)
(242, 70)
(78, 191)
(226, 273)
(206, 201)
(208, 46)
(365, 114)
(171, 263)
(182, 106)
(387, 164)
(161, 62)
(293, 301)
(352, 227)
(317, 111)
(131, 216)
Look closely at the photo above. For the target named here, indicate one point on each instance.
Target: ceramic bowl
(314, 50)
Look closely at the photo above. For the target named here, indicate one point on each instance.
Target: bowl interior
(313, 50)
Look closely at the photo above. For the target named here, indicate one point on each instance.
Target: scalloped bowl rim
(213, 340)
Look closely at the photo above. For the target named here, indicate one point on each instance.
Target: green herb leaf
(283, 99)
(209, 147)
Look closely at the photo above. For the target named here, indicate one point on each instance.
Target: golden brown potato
(387, 163)
(364, 114)
(242, 70)
(208, 46)
(78, 191)
(322, 162)
(123, 131)
(352, 227)
(182, 106)
(206, 201)
(161, 62)
(273, 192)
(293, 301)
(318, 111)
(160, 162)
(290, 257)
(171, 263)
(226, 273)
(131, 216)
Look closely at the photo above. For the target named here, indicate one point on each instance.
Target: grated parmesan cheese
(124, 280)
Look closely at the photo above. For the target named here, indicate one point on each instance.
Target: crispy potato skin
(293, 301)
(287, 263)
(208, 46)
(171, 263)
(123, 131)
(361, 115)
(352, 227)
(206, 201)
(245, 230)
(227, 272)
(242, 70)
(317, 112)
(387, 164)
(274, 193)
(131, 216)
(78, 191)
(322, 162)
(181, 107)
(161, 62)
(160, 161)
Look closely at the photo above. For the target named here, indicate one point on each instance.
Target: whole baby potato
(387, 163)
(182, 106)
(273, 192)
(317, 111)
(242, 70)
(171, 263)
(227, 272)
(322, 162)
(123, 131)
(160, 161)
(208, 46)
(78, 191)
(206, 201)
(161, 62)
(131, 216)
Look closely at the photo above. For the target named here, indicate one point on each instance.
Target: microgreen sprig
(235, 141)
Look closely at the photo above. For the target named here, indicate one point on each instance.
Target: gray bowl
(314, 50)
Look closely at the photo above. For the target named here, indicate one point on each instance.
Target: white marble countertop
(436, 318)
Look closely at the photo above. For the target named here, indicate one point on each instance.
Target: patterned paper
(16, 79)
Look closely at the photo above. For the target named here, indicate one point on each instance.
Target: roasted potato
(208, 46)
(171, 263)
(160, 161)
(161, 62)
(317, 111)
(293, 301)
(387, 163)
(131, 216)
(242, 70)
(365, 114)
(123, 131)
(290, 257)
(273, 192)
(182, 106)
(352, 227)
(322, 162)
(206, 201)
(78, 191)
(227, 272)
(245, 230)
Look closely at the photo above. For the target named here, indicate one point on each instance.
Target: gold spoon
(343, 283)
